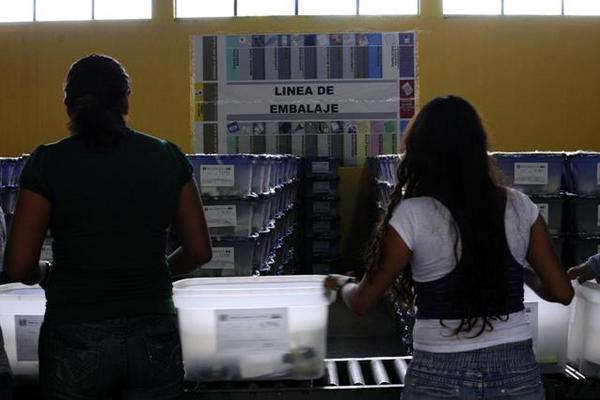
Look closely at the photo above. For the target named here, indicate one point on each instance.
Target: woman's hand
(582, 273)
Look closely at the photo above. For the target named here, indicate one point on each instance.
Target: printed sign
(252, 331)
(531, 173)
(217, 175)
(223, 258)
(221, 216)
(344, 95)
(27, 332)
(544, 211)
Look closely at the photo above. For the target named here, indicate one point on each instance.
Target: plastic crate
(550, 323)
(321, 187)
(584, 173)
(323, 247)
(223, 174)
(323, 227)
(8, 199)
(253, 328)
(22, 311)
(551, 209)
(236, 217)
(319, 207)
(583, 247)
(584, 215)
(321, 167)
(234, 257)
(532, 173)
(583, 348)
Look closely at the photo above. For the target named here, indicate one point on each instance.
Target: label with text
(531, 173)
(217, 175)
(253, 331)
(222, 258)
(27, 333)
(221, 216)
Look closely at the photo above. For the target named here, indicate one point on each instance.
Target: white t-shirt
(425, 226)
(2, 239)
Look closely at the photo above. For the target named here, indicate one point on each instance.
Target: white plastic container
(584, 325)
(550, 325)
(253, 328)
(22, 311)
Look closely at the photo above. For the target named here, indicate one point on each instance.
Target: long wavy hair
(445, 156)
(96, 91)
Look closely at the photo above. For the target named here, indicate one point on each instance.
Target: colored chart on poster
(346, 95)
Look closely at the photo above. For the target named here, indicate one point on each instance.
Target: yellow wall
(534, 79)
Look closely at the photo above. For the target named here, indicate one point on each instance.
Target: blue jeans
(503, 372)
(122, 358)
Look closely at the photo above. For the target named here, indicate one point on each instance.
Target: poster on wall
(345, 95)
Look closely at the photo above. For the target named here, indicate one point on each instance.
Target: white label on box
(531, 173)
(543, 211)
(321, 187)
(254, 331)
(321, 226)
(222, 258)
(321, 207)
(321, 246)
(27, 333)
(531, 315)
(320, 167)
(217, 175)
(46, 252)
(221, 216)
(598, 173)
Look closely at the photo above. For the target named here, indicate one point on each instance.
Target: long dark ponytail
(96, 91)
(445, 157)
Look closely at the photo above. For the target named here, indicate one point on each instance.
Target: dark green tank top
(109, 220)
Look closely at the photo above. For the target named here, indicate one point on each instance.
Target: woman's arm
(553, 284)
(361, 297)
(586, 271)
(26, 236)
(192, 231)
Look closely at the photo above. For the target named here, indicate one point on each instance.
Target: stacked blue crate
(321, 215)
(250, 208)
(543, 177)
(10, 172)
(583, 173)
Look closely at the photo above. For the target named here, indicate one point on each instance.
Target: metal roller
(355, 374)
(332, 373)
(401, 368)
(379, 373)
